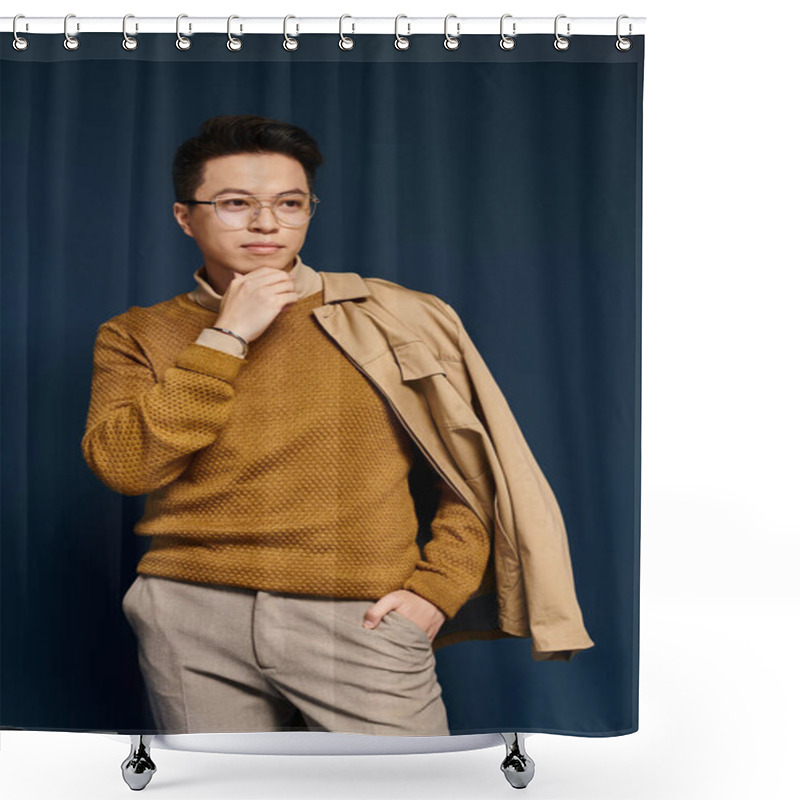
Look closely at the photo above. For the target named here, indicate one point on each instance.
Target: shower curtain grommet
(128, 42)
(507, 42)
(561, 43)
(233, 44)
(182, 42)
(345, 42)
(622, 44)
(451, 42)
(401, 42)
(288, 42)
(19, 43)
(70, 42)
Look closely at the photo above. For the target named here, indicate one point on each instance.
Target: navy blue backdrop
(508, 183)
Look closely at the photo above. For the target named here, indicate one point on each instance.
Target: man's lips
(265, 247)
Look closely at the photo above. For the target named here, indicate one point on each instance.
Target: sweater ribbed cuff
(437, 589)
(209, 361)
(220, 341)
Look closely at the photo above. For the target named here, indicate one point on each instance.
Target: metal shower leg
(517, 766)
(138, 768)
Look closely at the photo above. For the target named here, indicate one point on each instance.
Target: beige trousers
(224, 659)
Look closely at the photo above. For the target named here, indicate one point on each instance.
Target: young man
(275, 416)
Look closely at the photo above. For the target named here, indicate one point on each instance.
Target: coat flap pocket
(417, 361)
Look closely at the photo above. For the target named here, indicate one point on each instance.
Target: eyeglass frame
(312, 197)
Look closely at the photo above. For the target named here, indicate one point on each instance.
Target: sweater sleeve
(140, 432)
(455, 557)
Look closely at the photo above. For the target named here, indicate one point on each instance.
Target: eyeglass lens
(238, 211)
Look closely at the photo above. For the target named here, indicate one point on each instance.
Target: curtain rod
(456, 26)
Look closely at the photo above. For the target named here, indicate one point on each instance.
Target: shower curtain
(506, 183)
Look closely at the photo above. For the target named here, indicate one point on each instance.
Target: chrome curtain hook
(560, 42)
(70, 42)
(182, 43)
(128, 42)
(345, 42)
(623, 44)
(288, 42)
(400, 42)
(19, 42)
(508, 42)
(233, 43)
(451, 42)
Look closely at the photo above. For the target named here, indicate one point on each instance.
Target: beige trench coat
(414, 348)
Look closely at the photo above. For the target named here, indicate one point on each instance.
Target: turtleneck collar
(306, 280)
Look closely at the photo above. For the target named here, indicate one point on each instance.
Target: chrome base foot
(138, 768)
(517, 766)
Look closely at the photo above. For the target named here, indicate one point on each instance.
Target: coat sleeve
(140, 432)
(536, 588)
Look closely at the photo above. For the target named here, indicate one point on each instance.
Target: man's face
(223, 248)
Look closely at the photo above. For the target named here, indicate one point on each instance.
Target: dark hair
(246, 133)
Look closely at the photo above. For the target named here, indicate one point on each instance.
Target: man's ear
(181, 212)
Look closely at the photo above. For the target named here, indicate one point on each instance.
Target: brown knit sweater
(286, 471)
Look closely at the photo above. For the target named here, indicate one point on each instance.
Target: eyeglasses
(292, 209)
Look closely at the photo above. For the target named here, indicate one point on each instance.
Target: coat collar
(338, 286)
(335, 286)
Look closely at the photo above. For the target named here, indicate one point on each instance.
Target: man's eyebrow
(248, 192)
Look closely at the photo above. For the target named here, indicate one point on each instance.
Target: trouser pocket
(416, 632)
(129, 598)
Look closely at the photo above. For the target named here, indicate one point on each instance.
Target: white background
(719, 614)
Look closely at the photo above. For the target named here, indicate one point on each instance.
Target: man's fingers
(376, 613)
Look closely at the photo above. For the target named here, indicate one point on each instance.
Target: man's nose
(270, 218)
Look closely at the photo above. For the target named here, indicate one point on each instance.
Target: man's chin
(258, 261)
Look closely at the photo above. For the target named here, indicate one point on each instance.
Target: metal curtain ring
(128, 42)
(451, 42)
(400, 42)
(345, 42)
(233, 43)
(288, 42)
(561, 43)
(623, 44)
(182, 43)
(507, 42)
(70, 42)
(19, 42)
